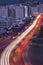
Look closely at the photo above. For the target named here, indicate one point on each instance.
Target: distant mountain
(18, 1)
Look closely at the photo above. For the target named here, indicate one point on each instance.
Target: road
(5, 42)
(28, 34)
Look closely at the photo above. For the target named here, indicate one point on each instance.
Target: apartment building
(4, 11)
(36, 9)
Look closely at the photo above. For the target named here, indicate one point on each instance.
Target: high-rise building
(36, 9)
(16, 11)
(4, 11)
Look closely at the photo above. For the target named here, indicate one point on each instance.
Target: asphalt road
(30, 31)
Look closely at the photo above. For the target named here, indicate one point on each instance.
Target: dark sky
(18, 1)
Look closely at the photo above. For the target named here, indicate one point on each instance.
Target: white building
(12, 11)
(19, 12)
(4, 11)
(16, 11)
(41, 8)
(36, 9)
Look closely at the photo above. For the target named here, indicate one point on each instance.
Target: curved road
(30, 32)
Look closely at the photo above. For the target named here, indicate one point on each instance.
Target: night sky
(18, 1)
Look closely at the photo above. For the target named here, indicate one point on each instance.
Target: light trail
(6, 53)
